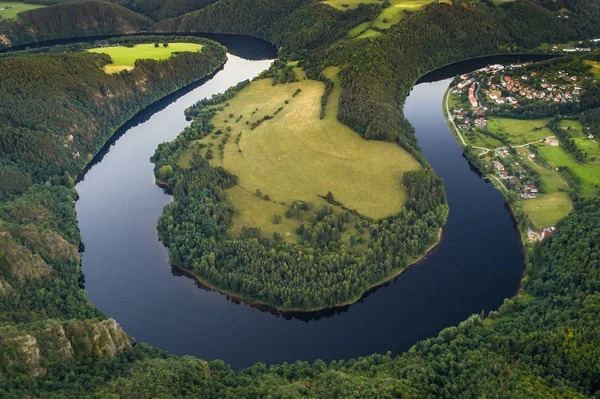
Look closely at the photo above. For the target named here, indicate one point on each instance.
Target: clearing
(547, 209)
(588, 174)
(10, 10)
(519, 131)
(296, 156)
(124, 57)
(389, 16)
(595, 67)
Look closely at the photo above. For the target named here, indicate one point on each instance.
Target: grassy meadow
(588, 173)
(547, 209)
(9, 10)
(124, 57)
(595, 67)
(389, 16)
(296, 156)
(520, 131)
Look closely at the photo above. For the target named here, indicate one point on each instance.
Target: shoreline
(274, 309)
(522, 234)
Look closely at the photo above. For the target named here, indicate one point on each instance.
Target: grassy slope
(125, 57)
(389, 16)
(520, 131)
(297, 156)
(10, 10)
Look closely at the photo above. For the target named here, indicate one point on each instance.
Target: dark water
(476, 265)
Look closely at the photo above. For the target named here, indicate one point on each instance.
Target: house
(498, 165)
(531, 188)
(532, 195)
(481, 122)
(551, 141)
(547, 231)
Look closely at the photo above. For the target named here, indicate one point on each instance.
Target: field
(588, 173)
(10, 10)
(124, 57)
(595, 67)
(520, 131)
(296, 156)
(389, 16)
(547, 209)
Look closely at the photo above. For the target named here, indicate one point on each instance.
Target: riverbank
(275, 309)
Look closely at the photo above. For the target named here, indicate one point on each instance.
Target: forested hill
(163, 9)
(378, 73)
(88, 18)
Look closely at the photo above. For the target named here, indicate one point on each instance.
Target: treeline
(72, 19)
(542, 343)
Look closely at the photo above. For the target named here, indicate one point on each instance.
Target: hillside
(61, 21)
(543, 343)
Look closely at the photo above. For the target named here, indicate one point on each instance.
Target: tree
(165, 44)
(156, 44)
(329, 197)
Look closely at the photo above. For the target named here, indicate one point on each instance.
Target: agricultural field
(547, 209)
(124, 57)
(520, 131)
(589, 173)
(595, 67)
(389, 16)
(9, 10)
(297, 156)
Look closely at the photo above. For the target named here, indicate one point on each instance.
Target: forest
(541, 343)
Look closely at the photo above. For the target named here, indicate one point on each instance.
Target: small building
(532, 195)
(591, 136)
(551, 141)
(498, 165)
(481, 122)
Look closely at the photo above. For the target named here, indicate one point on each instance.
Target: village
(499, 90)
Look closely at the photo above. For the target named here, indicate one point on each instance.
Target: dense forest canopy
(53, 342)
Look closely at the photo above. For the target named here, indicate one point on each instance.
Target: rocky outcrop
(51, 246)
(22, 264)
(102, 339)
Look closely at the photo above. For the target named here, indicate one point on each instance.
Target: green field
(520, 131)
(369, 33)
(595, 67)
(124, 57)
(588, 173)
(389, 16)
(10, 10)
(296, 156)
(547, 209)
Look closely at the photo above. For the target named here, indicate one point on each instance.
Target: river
(476, 265)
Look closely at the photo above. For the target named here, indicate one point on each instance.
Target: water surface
(476, 265)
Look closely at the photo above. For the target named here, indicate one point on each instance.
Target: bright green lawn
(520, 131)
(369, 33)
(10, 10)
(588, 173)
(125, 57)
